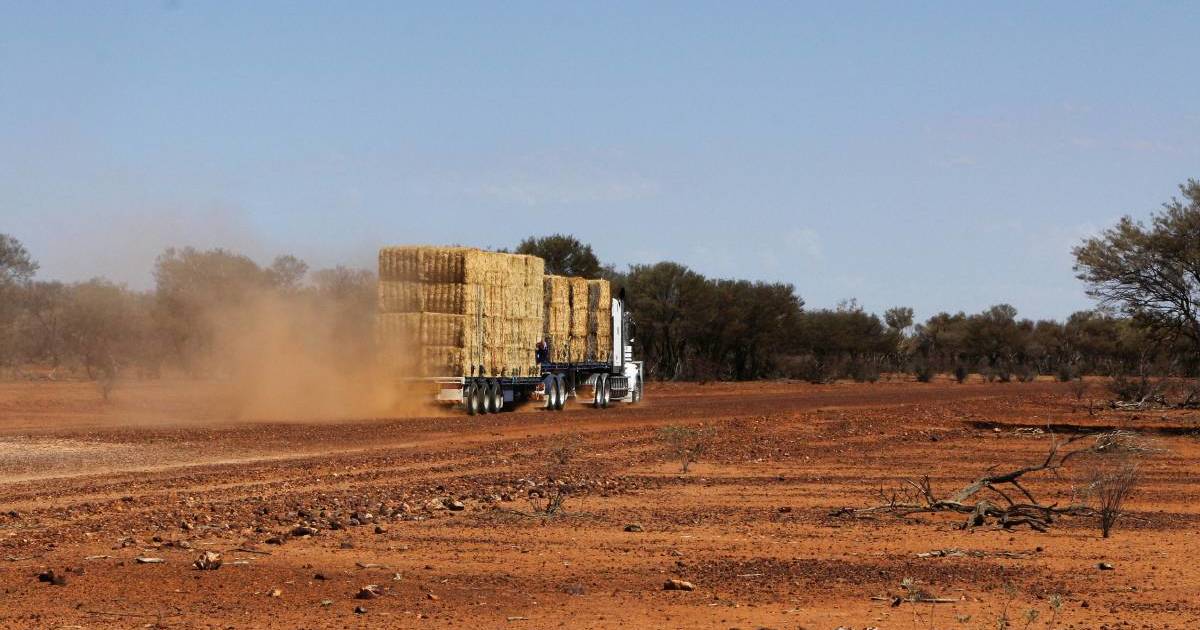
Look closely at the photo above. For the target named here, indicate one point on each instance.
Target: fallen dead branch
(1009, 503)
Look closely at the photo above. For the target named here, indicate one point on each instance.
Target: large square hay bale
(599, 338)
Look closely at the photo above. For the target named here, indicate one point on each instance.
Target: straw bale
(599, 337)
(399, 296)
(579, 306)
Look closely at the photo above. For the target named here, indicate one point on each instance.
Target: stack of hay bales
(578, 319)
(445, 311)
(599, 320)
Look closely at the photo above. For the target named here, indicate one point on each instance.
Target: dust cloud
(296, 357)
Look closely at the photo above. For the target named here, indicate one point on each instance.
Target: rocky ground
(154, 511)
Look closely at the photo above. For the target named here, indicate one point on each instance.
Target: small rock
(305, 530)
(432, 597)
(275, 540)
(455, 505)
(785, 509)
(346, 544)
(370, 591)
(359, 610)
(320, 577)
(52, 578)
(678, 585)
(634, 527)
(208, 561)
(326, 602)
(1104, 566)
(275, 592)
(380, 529)
(1083, 604)
(146, 560)
(185, 526)
(434, 505)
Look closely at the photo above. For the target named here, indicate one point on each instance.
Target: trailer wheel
(560, 386)
(548, 384)
(636, 395)
(495, 398)
(470, 400)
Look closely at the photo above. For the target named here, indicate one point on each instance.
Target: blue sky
(943, 155)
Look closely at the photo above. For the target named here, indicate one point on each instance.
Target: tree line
(201, 302)
(1145, 277)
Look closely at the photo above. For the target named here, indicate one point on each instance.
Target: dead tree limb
(916, 495)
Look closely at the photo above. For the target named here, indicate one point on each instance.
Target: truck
(469, 324)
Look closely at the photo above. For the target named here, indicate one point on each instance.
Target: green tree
(1151, 272)
(16, 266)
(564, 254)
(16, 270)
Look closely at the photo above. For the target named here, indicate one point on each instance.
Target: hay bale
(557, 316)
(579, 306)
(599, 337)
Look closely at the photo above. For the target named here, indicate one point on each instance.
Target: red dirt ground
(86, 487)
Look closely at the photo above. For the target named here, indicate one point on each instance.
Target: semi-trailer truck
(470, 323)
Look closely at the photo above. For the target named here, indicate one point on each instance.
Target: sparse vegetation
(686, 444)
(1111, 485)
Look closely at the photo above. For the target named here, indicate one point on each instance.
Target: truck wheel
(605, 392)
(470, 401)
(598, 392)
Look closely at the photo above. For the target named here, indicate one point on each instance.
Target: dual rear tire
(603, 394)
(555, 388)
(483, 396)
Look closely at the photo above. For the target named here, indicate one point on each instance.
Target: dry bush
(1111, 488)
(564, 449)
(550, 502)
(1109, 474)
(1079, 387)
(686, 444)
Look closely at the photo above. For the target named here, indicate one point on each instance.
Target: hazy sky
(944, 156)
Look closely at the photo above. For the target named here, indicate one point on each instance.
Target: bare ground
(85, 488)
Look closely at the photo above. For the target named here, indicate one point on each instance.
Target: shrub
(960, 374)
(1026, 374)
(1111, 487)
(863, 371)
(686, 444)
(924, 372)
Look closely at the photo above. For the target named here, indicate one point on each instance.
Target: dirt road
(86, 488)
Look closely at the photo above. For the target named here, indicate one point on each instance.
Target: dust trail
(295, 356)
